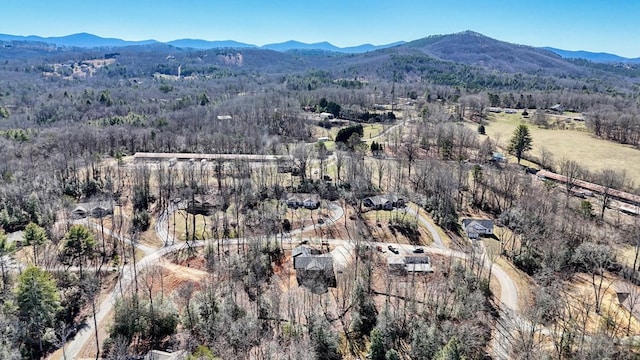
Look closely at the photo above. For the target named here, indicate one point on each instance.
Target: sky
(594, 25)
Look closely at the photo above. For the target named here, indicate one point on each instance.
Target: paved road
(437, 240)
(74, 347)
(508, 295)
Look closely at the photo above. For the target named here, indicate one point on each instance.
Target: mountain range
(597, 57)
(85, 40)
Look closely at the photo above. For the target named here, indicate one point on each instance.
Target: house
(384, 202)
(203, 205)
(498, 157)
(100, 211)
(409, 264)
(79, 212)
(418, 264)
(16, 238)
(326, 115)
(396, 264)
(310, 204)
(474, 228)
(301, 252)
(163, 355)
(313, 269)
(629, 298)
(557, 108)
(93, 209)
(293, 203)
(629, 209)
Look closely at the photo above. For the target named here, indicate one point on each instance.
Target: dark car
(418, 251)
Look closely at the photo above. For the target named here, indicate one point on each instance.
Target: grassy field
(573, 143)
(369, 131)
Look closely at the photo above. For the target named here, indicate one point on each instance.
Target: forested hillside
(248, 203)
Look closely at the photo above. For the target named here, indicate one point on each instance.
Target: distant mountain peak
(470, 33)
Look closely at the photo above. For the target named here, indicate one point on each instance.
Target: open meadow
(572, 143)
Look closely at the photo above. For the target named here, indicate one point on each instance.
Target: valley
(454, 196)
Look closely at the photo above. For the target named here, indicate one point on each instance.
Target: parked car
(418, 251)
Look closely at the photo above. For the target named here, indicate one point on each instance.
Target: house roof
(163, 355)
(411, 263)
(630, 209)
(625, 196)
(424, 259)
(79, 208)
(300, 250)
(314, 262)
(16, 236)
(206, 200)
(319, 263)
(382, 199)
(395, 260)
(628, 296)
(418, 268)
(95, 208)
(474, 223)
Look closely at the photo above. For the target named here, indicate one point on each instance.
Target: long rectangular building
(143, 156)
(618, 194)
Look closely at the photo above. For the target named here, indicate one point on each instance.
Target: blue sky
(594, 25)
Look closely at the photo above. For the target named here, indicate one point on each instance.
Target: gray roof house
(383, 202)
(313, 270)
(474, 228)
(410, 264)
(557, 108)
(163, 355)
(93, 209)
(99, 211)
(294, 203)
(204, 204)
(309, 203)
(79, 212)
